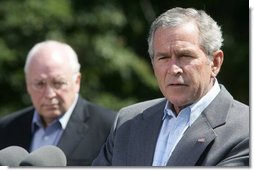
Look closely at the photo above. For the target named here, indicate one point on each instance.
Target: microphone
(48, 155)
(12, 156)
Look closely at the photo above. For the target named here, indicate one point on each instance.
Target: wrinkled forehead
(179, 35)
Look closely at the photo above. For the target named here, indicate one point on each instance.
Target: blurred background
(110, 38)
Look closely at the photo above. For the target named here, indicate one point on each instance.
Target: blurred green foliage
(110, 40)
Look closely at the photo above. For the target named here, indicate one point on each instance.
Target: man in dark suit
(59, 115)
(198, 123)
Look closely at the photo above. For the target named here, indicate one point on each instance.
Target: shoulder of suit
(129, 112)
(141, 106)
(85, 108)
(85, 102)
(23, 114)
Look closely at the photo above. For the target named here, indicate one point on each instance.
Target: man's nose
(49, 91)
(175, 67)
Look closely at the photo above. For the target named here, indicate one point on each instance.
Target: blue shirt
(51, 134)
(173, 127)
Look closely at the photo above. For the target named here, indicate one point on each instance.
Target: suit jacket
(85, 133)
(219, 136)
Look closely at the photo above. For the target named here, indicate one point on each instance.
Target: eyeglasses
(56, 85)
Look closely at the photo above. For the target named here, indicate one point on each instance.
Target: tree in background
(110, 40)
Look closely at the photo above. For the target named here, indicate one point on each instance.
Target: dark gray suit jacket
(219, 137)
(86, 131)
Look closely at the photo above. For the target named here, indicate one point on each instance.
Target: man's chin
(53, 113)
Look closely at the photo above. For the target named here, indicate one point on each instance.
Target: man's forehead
(45, 77)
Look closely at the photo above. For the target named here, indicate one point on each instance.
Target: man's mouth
(177, 84)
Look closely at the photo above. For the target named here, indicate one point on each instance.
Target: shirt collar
(195, 109)
(63, 119)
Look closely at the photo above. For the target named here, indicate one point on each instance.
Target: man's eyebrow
(184, 51)
(162, 54)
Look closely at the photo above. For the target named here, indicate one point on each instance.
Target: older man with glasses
(59, 116)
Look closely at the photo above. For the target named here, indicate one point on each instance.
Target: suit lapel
(23, 137)
(144, 136)
(74, 131)
(197, 137)
(193, 143)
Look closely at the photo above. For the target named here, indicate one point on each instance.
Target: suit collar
(65, 118)
(197, 137)
(217, 111)
(75, 129)
(158, 108)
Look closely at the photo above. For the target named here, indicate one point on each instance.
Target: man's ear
(28, 87)
(218, 57)
(78, 81)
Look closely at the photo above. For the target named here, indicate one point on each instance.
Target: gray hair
(72, 56)
(210, 33)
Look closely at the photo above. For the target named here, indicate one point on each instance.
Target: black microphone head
(48, 155)
(12, 156)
